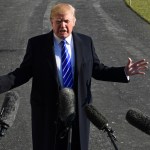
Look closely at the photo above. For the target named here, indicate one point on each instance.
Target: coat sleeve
(20, 75)
(105, 73)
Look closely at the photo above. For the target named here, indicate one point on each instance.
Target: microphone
(8, 111)
(100, 122)
(66, 109)
(139, 120)
(95, 117)
(66, 105)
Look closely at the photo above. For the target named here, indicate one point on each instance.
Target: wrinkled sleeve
(105, 73)
(20, 75)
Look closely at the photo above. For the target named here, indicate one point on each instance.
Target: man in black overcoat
(42, 63)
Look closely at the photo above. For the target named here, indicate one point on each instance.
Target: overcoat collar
(49, 47)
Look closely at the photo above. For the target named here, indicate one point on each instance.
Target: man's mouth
(62, 31)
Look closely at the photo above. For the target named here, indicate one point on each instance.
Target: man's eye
(58, 22)
(66, 21)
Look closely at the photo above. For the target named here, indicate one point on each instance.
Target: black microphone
(8, 111)
(100, 122)
(95, 117)
(139, 120)
(66, 105)
(67, 112)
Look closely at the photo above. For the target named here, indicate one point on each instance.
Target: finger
(142, 73)
(143, 61)
(138, 66)
(137, 72)
(142, 68)
(129, 62)
(144, 64)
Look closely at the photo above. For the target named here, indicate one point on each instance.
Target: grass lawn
(141, 7)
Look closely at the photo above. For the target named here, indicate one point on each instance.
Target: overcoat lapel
(51, 56)
(78, 52)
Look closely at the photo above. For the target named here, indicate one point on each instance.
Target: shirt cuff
(128, 77)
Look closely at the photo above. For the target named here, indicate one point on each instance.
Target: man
(43, 63)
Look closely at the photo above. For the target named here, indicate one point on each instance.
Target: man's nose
(63, 24)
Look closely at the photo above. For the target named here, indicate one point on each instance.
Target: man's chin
(63, 36)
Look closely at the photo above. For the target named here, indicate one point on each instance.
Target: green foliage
(141, 7)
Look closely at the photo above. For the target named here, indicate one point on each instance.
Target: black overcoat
(40, 65)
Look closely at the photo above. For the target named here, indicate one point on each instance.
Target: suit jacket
(40, 65)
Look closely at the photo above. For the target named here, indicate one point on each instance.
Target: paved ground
(118, 33)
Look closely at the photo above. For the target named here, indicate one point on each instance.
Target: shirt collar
(68, 39)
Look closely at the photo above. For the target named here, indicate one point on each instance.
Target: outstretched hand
(138, 67)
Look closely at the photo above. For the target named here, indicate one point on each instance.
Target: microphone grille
(9, 108)
(66, 104)
(95, 117)
(141, 121)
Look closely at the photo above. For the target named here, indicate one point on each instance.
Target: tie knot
(63, 42)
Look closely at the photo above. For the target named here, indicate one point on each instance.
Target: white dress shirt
(57, 51)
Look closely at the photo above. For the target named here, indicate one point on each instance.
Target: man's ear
(50, 21)
(74, 21)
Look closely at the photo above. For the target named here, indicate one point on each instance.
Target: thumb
(129, 62)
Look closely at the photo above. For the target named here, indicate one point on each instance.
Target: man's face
(63, 24)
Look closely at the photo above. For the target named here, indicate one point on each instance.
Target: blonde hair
(62, 8)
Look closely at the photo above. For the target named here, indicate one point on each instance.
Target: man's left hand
(138, 67)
